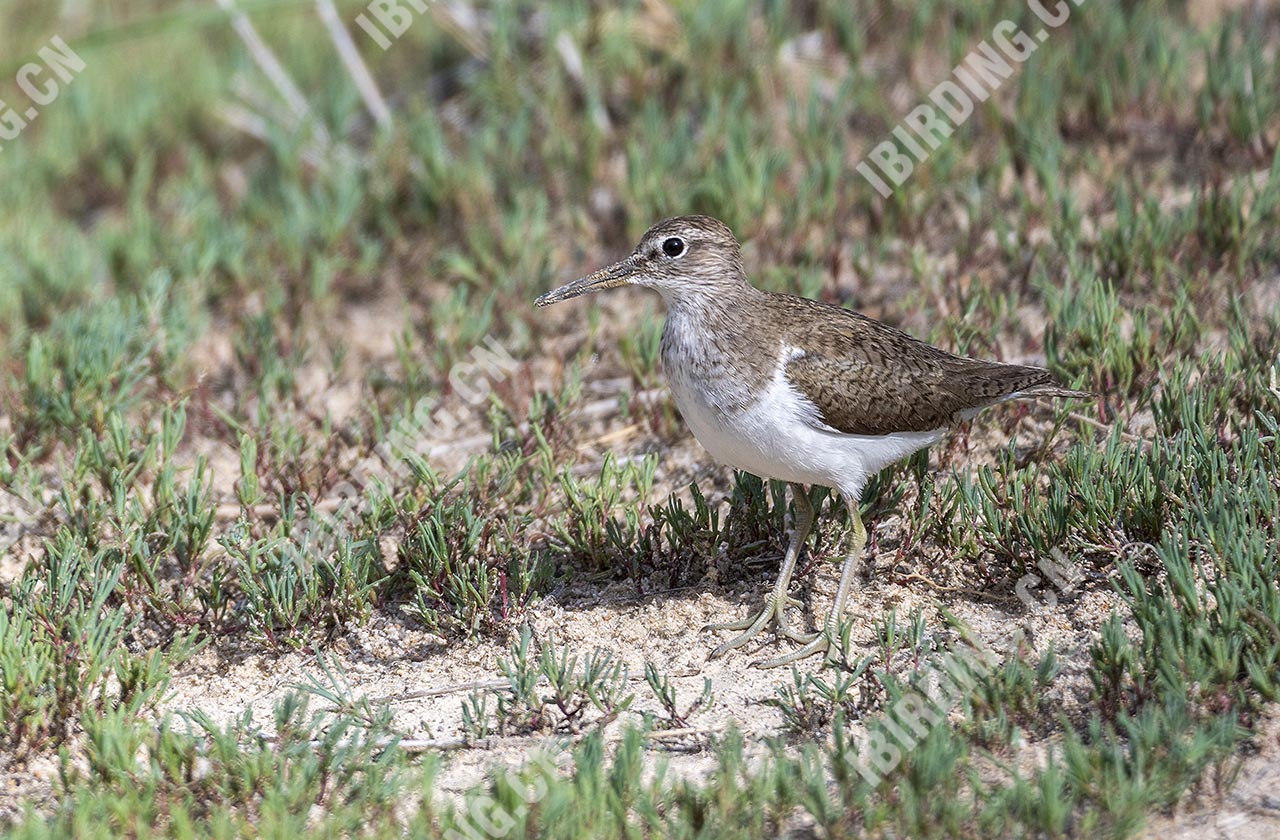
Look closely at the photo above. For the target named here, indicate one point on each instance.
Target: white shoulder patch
(803, 407)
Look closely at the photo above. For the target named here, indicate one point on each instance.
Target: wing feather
(866, 378)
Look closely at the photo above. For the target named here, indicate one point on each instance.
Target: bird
(797, 390)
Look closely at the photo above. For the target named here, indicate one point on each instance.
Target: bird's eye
(673, 247)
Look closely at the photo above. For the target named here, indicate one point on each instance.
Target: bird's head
(683, 257)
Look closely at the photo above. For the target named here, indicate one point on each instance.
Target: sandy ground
(426, 682)
(390, 661)
(426, 679)
(1249, 810)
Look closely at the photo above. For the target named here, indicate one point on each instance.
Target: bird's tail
(1051, 390)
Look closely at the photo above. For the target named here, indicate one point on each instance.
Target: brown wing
(867, 378)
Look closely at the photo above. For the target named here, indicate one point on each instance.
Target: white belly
(779, 436)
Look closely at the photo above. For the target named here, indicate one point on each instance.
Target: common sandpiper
(797, 390)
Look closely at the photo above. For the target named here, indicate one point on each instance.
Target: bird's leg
(827, 640)
(777, 601)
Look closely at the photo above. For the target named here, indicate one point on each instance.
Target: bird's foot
(827, 642)
(774, 612)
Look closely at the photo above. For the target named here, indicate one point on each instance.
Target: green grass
(172, 288)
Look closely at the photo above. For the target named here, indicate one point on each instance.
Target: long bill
(609, 277)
